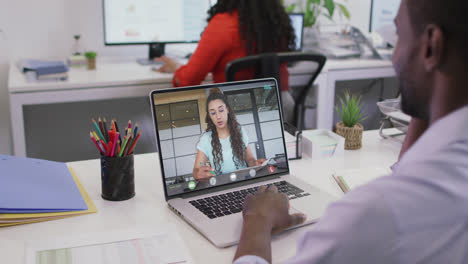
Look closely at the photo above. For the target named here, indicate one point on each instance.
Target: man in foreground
(419, 214)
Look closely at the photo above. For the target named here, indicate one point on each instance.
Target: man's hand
(264, 213)
(272, 208)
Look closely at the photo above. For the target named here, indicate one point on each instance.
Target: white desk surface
(111, 72)
(148, 208)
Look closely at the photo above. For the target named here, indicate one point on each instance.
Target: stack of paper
(33, 190)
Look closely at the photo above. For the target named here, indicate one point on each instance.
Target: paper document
(160, 248)
(35, 186)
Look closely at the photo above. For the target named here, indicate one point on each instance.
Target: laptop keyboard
(232, 202)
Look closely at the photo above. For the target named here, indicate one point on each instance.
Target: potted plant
(312, 10)
(351, 116)
(91, 57)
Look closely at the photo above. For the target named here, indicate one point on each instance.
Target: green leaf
(330, 6)
(291, 8)
(351, 109)
(344, 11)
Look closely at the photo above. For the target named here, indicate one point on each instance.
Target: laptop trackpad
(293, 210)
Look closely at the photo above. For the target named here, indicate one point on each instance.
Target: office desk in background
(46, 116)
(148, 208)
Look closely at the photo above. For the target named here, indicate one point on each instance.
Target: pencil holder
(117, 178)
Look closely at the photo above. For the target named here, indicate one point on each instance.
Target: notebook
(37, 186)
(350, 179)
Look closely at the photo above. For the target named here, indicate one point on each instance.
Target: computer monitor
(297, 22)
(154, 23)
(383, 12)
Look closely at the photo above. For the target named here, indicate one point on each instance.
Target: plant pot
(92, 64)
(352, 135)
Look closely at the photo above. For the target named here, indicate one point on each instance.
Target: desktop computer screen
(153, 21)
(383, 12)
(297, 22)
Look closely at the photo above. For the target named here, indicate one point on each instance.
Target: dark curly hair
(264, 24)
(237, 145)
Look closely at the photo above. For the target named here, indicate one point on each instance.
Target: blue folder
(42, 67)
(37, 186)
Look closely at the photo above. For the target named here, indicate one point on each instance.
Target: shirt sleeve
(211, 47)
(250, 260)
(360, 228)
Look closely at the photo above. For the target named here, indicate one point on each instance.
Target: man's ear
(433, 47)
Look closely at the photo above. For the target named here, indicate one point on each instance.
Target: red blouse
(220, 43)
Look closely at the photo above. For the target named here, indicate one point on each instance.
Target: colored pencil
(116, 136)
(95, 135)
(127, 146)
(98, 130)
(123, 146)
(109, 149)
(95, 143)
(101, 127)
(130, 150)
(117, 129)
(135, 131)
(129, 127)
(106, 134)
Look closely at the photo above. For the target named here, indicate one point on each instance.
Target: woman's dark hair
(237, 144)
(264, 24)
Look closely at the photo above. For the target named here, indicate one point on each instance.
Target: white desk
(148, 208)
(128, 79)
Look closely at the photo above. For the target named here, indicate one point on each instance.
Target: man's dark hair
(264, 24)
(450, 15)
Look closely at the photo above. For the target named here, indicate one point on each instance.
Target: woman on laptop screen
(224, 147)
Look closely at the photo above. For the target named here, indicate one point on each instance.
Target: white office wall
(30, 29)
(5, 135)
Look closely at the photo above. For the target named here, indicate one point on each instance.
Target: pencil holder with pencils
(117, 178)
(117, 171)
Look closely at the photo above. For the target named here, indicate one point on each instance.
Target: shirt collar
(447, 130)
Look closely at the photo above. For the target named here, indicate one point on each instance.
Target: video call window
(182, 128)
(257, 111)
(179, 131)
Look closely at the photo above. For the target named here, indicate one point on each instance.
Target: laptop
(213, 205)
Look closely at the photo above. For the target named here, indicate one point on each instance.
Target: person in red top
(236, 28)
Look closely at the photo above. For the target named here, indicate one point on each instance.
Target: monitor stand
(156, 50)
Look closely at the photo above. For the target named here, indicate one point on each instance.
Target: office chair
(268, 65)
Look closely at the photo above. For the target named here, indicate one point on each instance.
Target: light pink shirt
(419, 214)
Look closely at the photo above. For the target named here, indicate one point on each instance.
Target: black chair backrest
(268, 65)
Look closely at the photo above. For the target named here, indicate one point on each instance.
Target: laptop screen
(220, 134)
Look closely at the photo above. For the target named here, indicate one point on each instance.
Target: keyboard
(233, 202)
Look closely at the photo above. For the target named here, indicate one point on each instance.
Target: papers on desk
(33, 190)
(124, 246)
(37, 186)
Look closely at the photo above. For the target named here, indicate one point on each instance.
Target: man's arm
(255, 239)
(265, 213)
